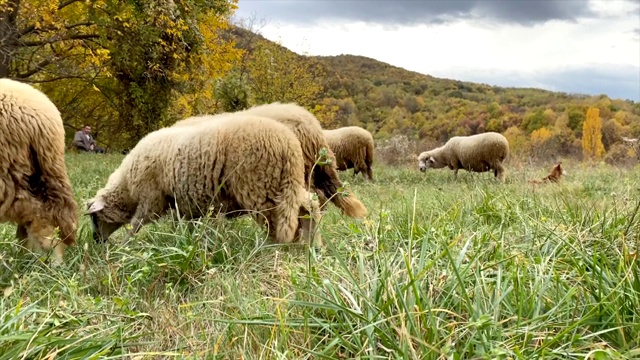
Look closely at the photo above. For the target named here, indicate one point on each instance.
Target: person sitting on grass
(85, 142)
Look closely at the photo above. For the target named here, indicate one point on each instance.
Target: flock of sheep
(273, 162)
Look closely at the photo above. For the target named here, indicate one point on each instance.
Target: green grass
(441, 269)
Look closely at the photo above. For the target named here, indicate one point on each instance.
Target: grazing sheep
(353, 148)
(325, 179)
(35, 191)
(248, 164)
(554, 176)
(477, 153)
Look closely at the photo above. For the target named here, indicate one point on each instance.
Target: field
(441, 269)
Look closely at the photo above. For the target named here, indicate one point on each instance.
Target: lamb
(554, 176)
(244, 164)
(477, 153)
(353, 148)
(35, 190)
(324, 176)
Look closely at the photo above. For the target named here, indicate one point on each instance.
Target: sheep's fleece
(353, 147)
(325, 179)
(246, 163)
(35, 191)
(477, 153)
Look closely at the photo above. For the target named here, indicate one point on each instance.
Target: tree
(232, 91)
(539, 141)
(278, 74)
(592, 146)
(138, 56)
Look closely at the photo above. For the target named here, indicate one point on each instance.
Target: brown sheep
(325, 179)
(477, 153)
(35, 191)
(246, 164)
(353, 148)
(554, 176)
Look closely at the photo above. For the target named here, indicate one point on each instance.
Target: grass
(441, 269)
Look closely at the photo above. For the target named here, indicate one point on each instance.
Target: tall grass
(441, 269)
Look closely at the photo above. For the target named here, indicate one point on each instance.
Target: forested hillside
(390, 101)
(129, 68)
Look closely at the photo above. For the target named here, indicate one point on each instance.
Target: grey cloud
(407, 12)
(616, 81)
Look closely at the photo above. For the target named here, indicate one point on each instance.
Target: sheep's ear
(432, 160)
(95, 206)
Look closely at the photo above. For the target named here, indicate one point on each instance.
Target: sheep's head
(426, 161)
(106, 218)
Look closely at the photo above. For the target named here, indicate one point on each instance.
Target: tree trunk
(8, 33)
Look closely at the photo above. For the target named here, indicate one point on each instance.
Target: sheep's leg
(42, 236)
(499, 171)
(369, 173)
(284, 224)
(21, 233)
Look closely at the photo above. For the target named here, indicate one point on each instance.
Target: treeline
(130, 67)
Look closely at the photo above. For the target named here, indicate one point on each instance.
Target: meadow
(441, 269)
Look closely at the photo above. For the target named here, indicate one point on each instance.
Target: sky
(574, 46)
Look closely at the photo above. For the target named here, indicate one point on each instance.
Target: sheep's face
(426, 161)
(105, 219)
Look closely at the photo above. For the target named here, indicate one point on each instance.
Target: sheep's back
(241, 162)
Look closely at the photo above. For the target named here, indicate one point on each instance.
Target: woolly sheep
(477, 153)
(35, 191)
(325, 179)
(353, 148)
(246, 163)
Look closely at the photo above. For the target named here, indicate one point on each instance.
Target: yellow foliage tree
(326, 114)
(592, 146)
(518, 142)
(277, 74)
(539, 142)
(540, 136)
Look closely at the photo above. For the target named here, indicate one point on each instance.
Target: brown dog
(554, 176)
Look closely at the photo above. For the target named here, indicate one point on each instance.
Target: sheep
(325, 179)
(35, 190)
(477, 153)
(243, 164)
(554, 176)
(353, 148)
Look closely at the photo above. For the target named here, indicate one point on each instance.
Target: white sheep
(477, 153)
(245, 164)
(35, 190)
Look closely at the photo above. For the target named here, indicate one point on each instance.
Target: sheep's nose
(423, 168)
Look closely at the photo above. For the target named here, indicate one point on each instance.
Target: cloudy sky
(575, 46)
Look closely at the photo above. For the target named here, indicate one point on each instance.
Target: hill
(389, 101)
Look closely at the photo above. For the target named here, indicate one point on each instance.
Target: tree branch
(35, 69)
(32, 28)
(64, 4)
(55, 39)
(41, 81)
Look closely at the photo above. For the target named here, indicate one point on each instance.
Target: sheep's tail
(52, 185)
(328, 185)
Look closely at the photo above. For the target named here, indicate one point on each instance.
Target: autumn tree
(139, 56)
(592, 146)
(232, 92)
(278, 74)
(539, 141)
